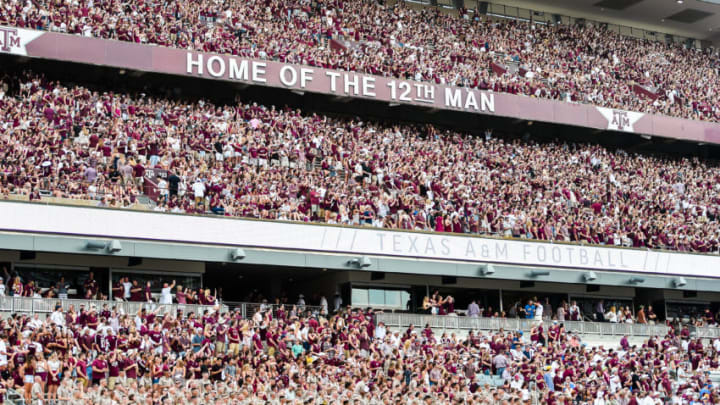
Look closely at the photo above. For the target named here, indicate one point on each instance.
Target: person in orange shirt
(641, 315)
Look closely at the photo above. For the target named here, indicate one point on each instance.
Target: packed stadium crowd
(565, 62)
(126, 289)
(74, 141)
(282, 357)
(264, 162)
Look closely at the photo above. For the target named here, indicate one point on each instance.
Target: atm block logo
(9, 39)
(619, 120)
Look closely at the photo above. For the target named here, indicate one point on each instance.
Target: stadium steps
(13, 397)
(146, 201)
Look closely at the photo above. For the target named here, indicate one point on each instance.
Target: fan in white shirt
(166, 293)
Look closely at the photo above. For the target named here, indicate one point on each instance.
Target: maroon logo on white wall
(9, 38)
(620, 120)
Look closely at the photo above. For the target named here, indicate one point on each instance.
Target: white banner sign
(14, 40)
(620, 120)
(78, 221)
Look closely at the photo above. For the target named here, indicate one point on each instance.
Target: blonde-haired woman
(611, 316)
(426, 306)
(53, 378)
(206, 298)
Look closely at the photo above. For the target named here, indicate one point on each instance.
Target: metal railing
(248, 309)
(32, 305)
(29, 305)
(706, 332)
(525, 325)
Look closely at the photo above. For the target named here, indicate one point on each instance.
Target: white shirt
(3, 353)
(34, 323)
(2, 290)
(166, 296)
(127, 286)
(647, 401)
(538, 311)
(163, 186)
(198, 189)
(324, 304)
(380, 332)
(57, 318)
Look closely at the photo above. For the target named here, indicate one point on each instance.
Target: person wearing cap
(57, 317)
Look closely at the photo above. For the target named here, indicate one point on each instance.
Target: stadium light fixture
(360, 262)
(487, 270)
(636, 280)
(679, 1)
(114, 246)
(237, 254)
(590, 276)
(538, 273)
(680, 282)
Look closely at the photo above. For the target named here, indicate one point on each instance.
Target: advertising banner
(159, 59)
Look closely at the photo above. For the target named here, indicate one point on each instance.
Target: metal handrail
(525, 325)
(248, 309)
(33, 305)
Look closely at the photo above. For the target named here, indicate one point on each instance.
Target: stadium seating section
(572, 63)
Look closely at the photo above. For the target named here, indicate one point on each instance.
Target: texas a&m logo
(9, 39)
(620, 120)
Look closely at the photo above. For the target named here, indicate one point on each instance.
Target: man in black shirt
(173, 181)
(216, 370)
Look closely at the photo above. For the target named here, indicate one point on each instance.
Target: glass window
(685, 310)
(376, 297)
(46, 277)
(392, 298)
(379, 298)
(404, 299)
(156, 280)
(359, 297)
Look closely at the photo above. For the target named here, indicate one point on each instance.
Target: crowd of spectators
(578, 63)
(264, 162)
(83, 355)
(596, 311)
(535, 309)
(124, 289)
